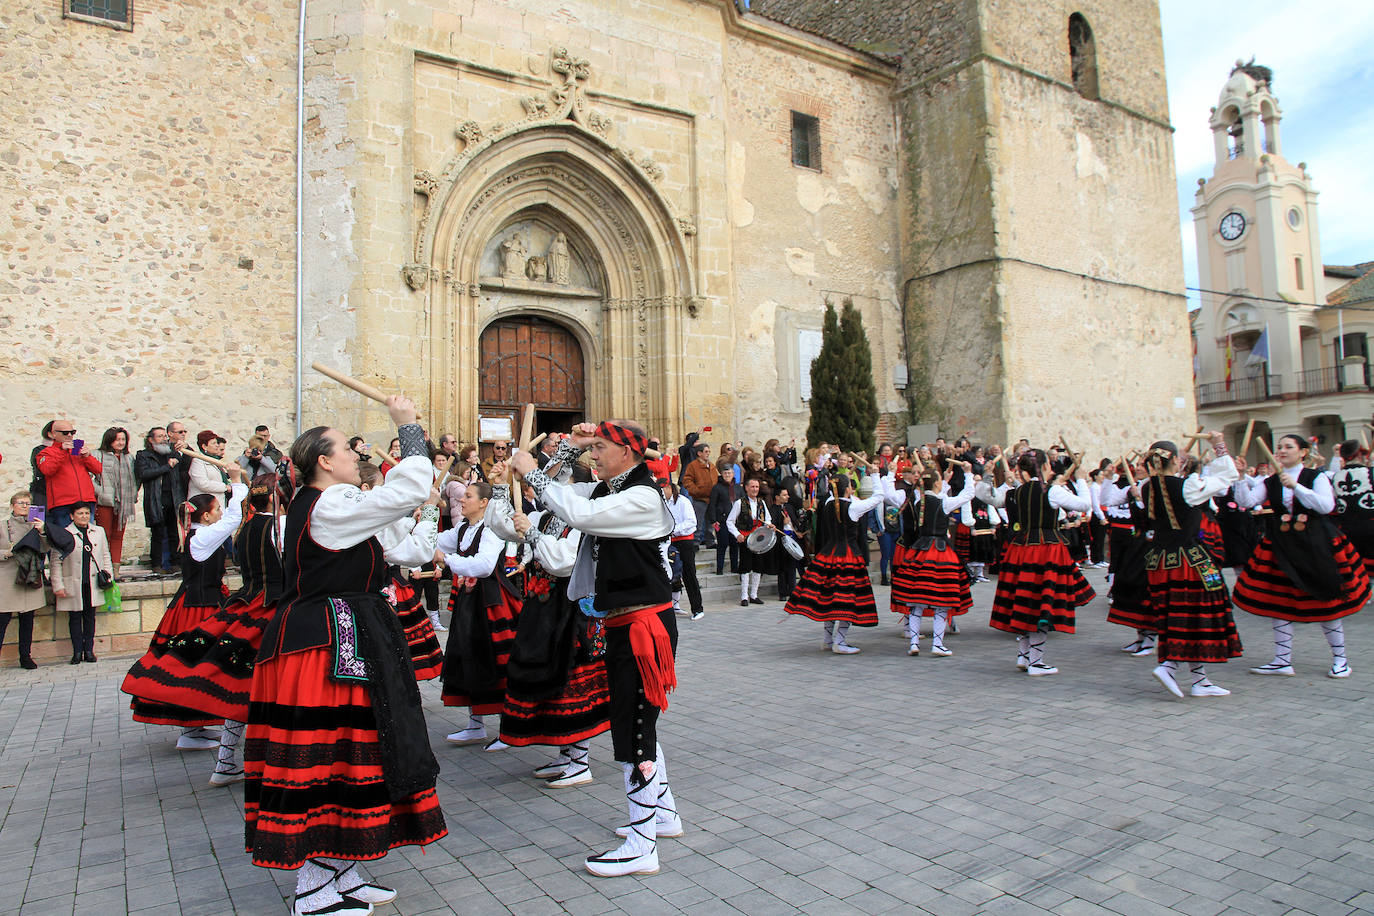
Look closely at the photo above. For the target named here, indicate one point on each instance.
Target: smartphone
(78, 445)
(706, 429)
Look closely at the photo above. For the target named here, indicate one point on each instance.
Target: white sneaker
(1339, 670)
(1041, 670)
(496, 744)
(370, 893)
(226, 779)
(841, 648)
(1145, 651)
(610, 865)
(468, 736)
(1209, 690)
(941, 652)
(573, 776)
(1133, 648)
(440, 628)
(190, 742)
(1022, 662)
(914, 649)
(1166, 677)
(1274, 669)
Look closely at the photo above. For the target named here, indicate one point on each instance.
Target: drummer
(787, 553)
(747, 515)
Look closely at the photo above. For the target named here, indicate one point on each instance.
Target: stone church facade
(606, 208)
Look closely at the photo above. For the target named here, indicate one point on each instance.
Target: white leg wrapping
(1283, 642)
(639, 853)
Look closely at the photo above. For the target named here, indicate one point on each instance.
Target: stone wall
(146, 214)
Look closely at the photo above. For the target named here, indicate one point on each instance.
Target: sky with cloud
(1319, 51)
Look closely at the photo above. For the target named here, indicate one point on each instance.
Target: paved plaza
(808, 782)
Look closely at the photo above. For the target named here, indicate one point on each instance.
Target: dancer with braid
(336, 752)
(836, 587)
(1304, 570)
(1038, 584)
(928, 577)
(1187, 594)
(1127, 533)
(159, 695)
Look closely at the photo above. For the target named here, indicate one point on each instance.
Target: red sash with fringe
(653, 651)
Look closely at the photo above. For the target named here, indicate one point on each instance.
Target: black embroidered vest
(630, 572)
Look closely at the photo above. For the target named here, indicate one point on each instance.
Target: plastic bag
(114, 599)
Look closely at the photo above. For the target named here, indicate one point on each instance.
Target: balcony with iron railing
(1240, 391)
(1333, 379)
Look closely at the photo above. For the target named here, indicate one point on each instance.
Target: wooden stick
(1245, 442)
(526, 431)
(1268, 453)
(1126, 466)
(349, 381)
(217, 462)
(534, 443)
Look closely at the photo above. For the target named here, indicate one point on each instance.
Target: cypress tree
(844, 402)
(857, 378)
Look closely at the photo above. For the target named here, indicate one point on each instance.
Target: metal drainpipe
(300, 210)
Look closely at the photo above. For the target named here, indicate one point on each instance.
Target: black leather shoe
(76, 659)
(90, 656)
(27, 662)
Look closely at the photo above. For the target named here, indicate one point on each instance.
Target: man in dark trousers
(623, 562)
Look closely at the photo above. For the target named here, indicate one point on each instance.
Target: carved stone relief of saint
(559, 261)
(513, 253)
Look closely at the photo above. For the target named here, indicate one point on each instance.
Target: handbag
(103, 580)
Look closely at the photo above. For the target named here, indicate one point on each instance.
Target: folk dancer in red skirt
(209, 668)
(928, 577)
(483, 609)
(1038, 584)
(1303, 570)
(556, 692)
(836, 587)
(1353, 485)
(161, 699)
(336, 752)
(1128, 542)
(623, 563)
(1187, 594)
(416, 537)
(749, 513)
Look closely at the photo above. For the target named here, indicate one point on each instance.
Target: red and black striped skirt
(580, 712)
(313, 763)
(1263, 588)
(835, 586)
(963, 538)
(931, 578)
(208, 668)
(502, 618)
(1038, 588)
(425, 652)
(1194, 623)
(143, 679)
(1209, 532)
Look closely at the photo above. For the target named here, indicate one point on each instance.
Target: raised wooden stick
(208, 459)
(1245, 440)
(1268, 453)
(1126, 466)
(349, 381)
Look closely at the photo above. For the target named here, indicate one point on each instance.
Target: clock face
(1232, 226)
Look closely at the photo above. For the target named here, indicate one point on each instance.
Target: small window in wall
(808, 348)
(1082, 56)
(806, 141)
(116, 13)
(1297, 271)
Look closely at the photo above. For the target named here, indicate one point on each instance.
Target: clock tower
(1259, 258)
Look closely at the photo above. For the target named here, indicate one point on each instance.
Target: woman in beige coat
(74, 582)
(15, 598)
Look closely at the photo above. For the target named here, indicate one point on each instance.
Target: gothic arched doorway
(528, 360)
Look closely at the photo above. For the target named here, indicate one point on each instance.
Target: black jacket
(722, 498)
(163, 490)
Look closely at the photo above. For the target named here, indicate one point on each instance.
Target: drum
(793, 547)
(761, 540)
